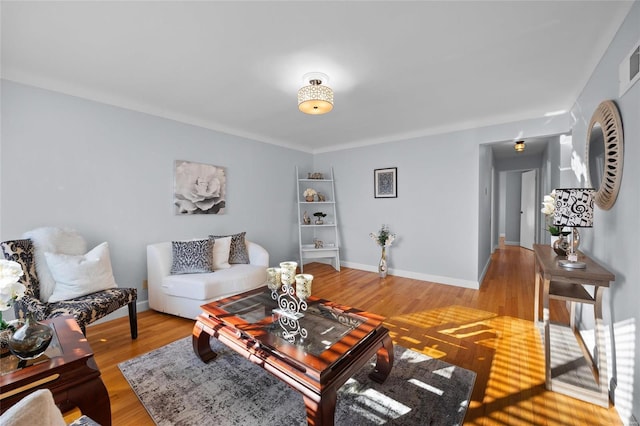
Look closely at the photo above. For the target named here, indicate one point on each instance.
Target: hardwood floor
(489, 331)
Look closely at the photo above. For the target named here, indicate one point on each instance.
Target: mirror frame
(608, 117)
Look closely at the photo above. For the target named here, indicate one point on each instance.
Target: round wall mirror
(604, 154)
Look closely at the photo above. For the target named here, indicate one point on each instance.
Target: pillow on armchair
(53, 240)
(77, 275)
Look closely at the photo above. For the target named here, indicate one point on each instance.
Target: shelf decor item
(309, 194)
(319, 217)
(384, 238)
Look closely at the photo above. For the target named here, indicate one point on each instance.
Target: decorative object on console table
(384, 238)
(385, 182)
(574, 208)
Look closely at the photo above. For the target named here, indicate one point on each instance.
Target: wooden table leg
(201, 345)
(547, 332)
(384, 361)
(536, 299)
(92, 399)
(321, 412)
(601, 356)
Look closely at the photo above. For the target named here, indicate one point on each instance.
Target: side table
(569, 367)
(67, 369)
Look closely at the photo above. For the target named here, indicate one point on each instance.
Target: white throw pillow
(221, 249)
(76, 276)
(53, 240)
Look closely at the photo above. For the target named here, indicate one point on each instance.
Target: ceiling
(398, 69)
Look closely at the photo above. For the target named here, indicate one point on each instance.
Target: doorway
(527, 209)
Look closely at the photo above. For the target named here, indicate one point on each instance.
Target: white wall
(437, 212)
(108, 172)
(615, 238)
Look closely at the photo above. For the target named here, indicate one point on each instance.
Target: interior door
(528, 209)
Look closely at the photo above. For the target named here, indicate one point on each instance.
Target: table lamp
(574, 209)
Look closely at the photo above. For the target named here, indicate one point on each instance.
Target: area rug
(177, 388)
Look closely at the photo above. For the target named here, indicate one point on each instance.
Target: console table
(569, 367)
(67, 368)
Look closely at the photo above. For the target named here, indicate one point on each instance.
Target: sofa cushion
(191, 257)
(236, 279)
(238, 252)
(221, 249)
(77, 275)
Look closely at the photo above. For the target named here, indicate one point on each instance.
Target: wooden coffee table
(337, 341)
(67, 369)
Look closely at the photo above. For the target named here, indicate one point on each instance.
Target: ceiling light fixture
(315, 98)
(519, 146)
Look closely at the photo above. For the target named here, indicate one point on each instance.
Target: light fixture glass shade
(519, 146)
(315, 98)
(574, 207)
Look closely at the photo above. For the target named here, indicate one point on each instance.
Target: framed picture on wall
(199, 188)
(385, 182)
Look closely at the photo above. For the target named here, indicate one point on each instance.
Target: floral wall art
(199, 188)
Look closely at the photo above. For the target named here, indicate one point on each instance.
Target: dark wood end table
(337, 342)
(67, 369)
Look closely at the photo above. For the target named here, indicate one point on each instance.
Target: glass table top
(320, 327)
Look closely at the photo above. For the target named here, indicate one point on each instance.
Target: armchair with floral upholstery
(86, 308)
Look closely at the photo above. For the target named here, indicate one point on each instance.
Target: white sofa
(182, 295)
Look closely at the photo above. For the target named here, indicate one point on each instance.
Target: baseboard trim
(417, 275)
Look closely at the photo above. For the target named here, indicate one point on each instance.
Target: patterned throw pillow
(238, 253)
(191, 257)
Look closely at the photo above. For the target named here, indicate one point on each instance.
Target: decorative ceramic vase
(382, 266)
(31, 340)
(309, 198)
(303, 285)
(319, 221)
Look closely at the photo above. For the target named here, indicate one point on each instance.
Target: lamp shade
(574, 207)
(315, 98)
